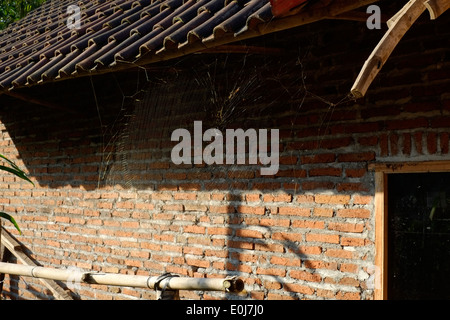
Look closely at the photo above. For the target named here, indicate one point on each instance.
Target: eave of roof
(121, 34)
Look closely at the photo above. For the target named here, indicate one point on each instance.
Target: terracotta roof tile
(117, 34)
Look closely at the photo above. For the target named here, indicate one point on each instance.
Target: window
(412, 231)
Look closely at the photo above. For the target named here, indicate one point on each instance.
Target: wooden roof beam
(437, 7)
(399, 24)
(356, 16)
(37, 101)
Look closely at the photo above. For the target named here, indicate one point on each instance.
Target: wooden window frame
(382, 172)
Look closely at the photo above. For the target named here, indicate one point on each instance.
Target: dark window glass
(419, 236)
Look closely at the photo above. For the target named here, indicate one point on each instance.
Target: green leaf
(10, 219)
(14, 170)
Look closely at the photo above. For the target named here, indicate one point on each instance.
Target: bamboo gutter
(165, 282)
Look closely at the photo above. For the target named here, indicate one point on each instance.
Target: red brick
(339, 253)
(332, 199)
(347, 281)
(322, 237)
(199, 175)
(125, 205)
(358, 199)
(354, 213)
(184, 196)
(222, 209)
(356, 157)
(252, 197)
(353, 242)
(305, 275)
(384, 146)
(220, 231)
(275, 296)
(348, 295)
(355, 173)
(294, 237)
(346, 227)
(393, 140)
(288, 160)
(323, 212)
(246, 233)
(444, 142)
(292, 287)
(175, 176)
(194, 229)
(193, 250)
(277, 198)
(407, 124)
(406, 144)
(173, 207)
(335, 143)
(319, 264)
(190, 186)
(296, 262)
(308, 224)
(269, 222)
(251, 210)
(271, 271)
(328, 294)
(125, 224)
(418, 142)
(272, 285)
(241, 174)
(195, 207)
(351, 187)
(368, 141)
(269, 247)
(305, 199)
(197, 263)
(315, 185)
(241, 245)
(319, 158)
(309, 250)
(294, 211)
(293, 173)
(349, 267)
(432, 142)
(334, 172)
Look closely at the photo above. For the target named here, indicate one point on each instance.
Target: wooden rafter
(37, 101)
(398, 25)
(243, 49)
(437, 7)
(356, 16)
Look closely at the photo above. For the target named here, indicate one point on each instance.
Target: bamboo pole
(169, 283)
(14, 247)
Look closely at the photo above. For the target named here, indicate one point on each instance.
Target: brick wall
(108, 198)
